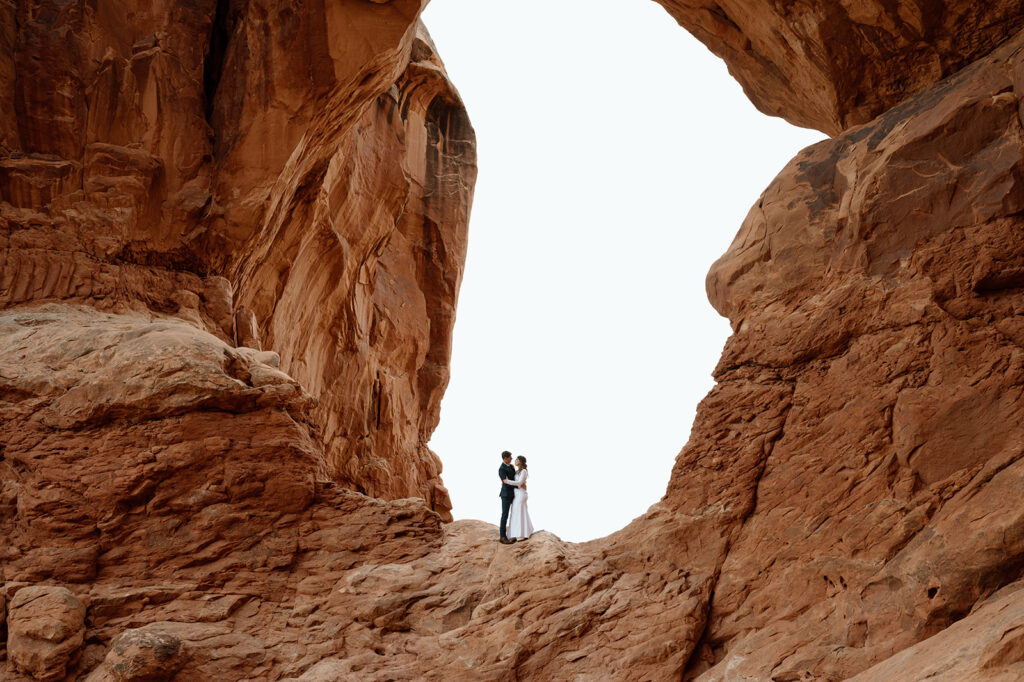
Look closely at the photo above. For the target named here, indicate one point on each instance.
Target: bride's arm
(519, 482)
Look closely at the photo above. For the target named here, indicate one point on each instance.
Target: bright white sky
(617, 159)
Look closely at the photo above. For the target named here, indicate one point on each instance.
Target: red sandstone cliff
(296, 177)
(231, 240)
(831, 65)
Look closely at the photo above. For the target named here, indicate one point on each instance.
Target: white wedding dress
(520, 526)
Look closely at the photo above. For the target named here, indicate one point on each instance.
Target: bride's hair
(522, 461)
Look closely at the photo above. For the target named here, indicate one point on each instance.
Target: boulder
(142, 655)
(45, 630)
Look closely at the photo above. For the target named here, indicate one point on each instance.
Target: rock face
(258, 172)
(231, 241)
(830, 64)
(874, 290)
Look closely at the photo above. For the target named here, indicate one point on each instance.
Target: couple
(513, 495)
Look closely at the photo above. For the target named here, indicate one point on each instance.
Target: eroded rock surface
(987, 644)
(831, 64)
(142, 654)
(873, 289)
(46, 629)
(231, 241)
(263, 174)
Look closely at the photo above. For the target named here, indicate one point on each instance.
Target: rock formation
(150, 151)
(832, 64)
(874, 293)
(46, 630)
(231, 240)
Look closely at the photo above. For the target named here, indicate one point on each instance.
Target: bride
(519, 525)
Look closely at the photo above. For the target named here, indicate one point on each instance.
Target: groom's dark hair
(506, 454)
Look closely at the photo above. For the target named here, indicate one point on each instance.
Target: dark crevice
(181, 259)
(998, 282)
(696, 663)
(225, 20)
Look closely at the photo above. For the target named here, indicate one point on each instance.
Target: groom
(506, 470)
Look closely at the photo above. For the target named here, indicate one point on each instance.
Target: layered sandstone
(231, 241)
(262, 173)
(874, 292)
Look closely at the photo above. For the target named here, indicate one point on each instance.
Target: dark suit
(507, 493)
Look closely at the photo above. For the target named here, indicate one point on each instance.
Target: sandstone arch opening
(617, 159)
